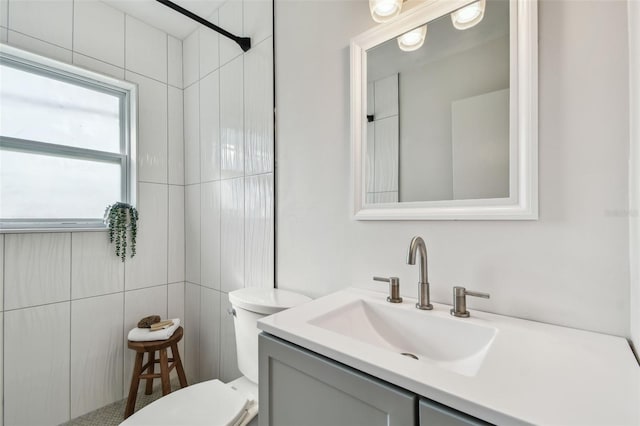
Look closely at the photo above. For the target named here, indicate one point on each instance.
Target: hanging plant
(120, 218)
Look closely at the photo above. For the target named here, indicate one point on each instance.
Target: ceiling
(164, 18)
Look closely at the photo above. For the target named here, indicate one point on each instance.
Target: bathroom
(231, 198)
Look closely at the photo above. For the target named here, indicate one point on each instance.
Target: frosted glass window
(42, 186)
(66, 139)
(44, 109)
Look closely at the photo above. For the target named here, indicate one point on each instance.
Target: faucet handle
(476, 293)
(460, 301)
(394, 288)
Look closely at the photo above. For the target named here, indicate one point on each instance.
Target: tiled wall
(68, 301)
(228, 105)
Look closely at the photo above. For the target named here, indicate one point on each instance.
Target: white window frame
(126, 91)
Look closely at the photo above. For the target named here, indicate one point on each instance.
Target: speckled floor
(113, 414)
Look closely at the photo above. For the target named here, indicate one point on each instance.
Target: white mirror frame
(522, 203)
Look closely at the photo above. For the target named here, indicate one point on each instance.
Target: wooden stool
(150, 348)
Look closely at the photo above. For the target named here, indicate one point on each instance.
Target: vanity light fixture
(412, 40)
(384, 10)
(469, 15)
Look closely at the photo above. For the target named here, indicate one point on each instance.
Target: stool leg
(135, 381)
(152, 360)
(164, 372)
(178, 362)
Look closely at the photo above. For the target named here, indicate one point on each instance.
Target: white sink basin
(500, 369)
(450, 343)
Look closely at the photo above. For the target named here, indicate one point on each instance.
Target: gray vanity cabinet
(301, 388)
(434, 414)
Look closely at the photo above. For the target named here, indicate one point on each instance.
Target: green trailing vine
(120, 218)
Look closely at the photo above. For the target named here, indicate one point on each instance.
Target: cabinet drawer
(434, 414)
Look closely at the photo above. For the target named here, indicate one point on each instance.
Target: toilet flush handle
(231, 311)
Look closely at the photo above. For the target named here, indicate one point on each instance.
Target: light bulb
(384, 10)
(412, 40)
(468, 16)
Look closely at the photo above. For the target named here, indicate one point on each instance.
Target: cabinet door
(434, 414)
(301, 388)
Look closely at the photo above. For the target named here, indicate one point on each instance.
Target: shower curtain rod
(243, 42)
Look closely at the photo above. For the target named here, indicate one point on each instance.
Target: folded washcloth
(146, 335)
(247, 413)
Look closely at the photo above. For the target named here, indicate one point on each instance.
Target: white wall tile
(148, 267)
(97, 66)
(258, 241)
(50, 20)
(192, 332)
(175, 302)
(230, 16)
(257, 20)
(38, 46)
(36, 380)
(371, 109)
(1, 282)
(210, 243)
(37, 269)
(152, 129)
(228, 359)
(386, 197)
(209, 334)
(146, 49)
(232, 233)
(370, 197)
(386, 154)
(192, 233)
(176, 136)
(98, 31)
(4, 13)
(174, 58)
(137, 305)
(210, 127)
(95, 268)
(231, 119)
(258, 108)
(191, 58)
(4, 35)
(97, 348)
(192, 134)
(176, 234)
(175, 309)
(209, 47)
(371, 156)
(2, 367)
(386, 97)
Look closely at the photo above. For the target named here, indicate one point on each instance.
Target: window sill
(49, 229)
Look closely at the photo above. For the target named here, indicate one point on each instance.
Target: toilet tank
(250, 304)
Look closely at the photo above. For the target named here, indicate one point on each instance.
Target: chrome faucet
(417, 244)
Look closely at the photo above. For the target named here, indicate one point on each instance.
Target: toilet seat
(208, 403)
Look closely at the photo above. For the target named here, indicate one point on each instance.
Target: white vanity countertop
(533, 373)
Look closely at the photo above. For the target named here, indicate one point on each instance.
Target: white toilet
(212, 402)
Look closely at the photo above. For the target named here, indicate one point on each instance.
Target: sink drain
(409, 355)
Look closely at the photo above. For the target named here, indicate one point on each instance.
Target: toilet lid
(266, 300)
(207, 403)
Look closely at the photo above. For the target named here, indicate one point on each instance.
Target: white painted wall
(69, 301)
(571, 267)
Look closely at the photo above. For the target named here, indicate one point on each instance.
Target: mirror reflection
(438, 109)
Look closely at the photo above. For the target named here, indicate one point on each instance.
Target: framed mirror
(444, 113)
